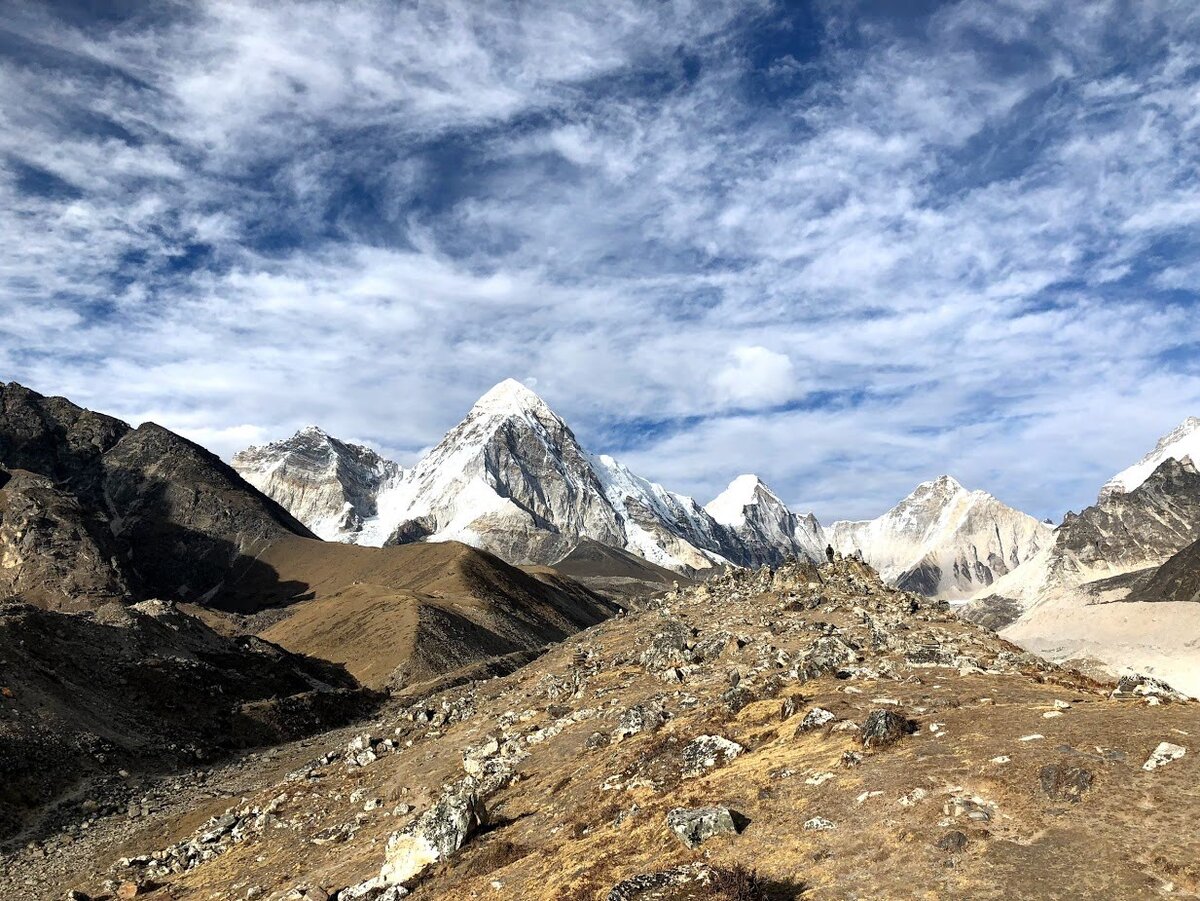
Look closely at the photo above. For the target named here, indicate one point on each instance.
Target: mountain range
(513, 479)
(943, 540)
(156, 608)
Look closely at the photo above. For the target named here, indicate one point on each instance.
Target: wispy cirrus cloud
(844, 248)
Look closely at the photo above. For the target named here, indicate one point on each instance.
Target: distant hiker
(829, 553)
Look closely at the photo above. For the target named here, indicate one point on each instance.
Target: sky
(846, 246)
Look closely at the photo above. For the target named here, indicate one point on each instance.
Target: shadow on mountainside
(144, 687)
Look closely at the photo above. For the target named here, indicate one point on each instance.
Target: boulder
(815, 719)
(1164, 754)
(1062, 782)
(952, 842)
(706, 752)
(884, 727)
(828, 654)
(434, 835)
(694, 827)
(1135, 686)
(641, 718)
(737, 698)
(667, 648)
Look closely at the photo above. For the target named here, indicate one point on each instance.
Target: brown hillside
(397, 615)
(843, 739)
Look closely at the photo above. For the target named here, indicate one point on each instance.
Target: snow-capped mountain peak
(329, 485)
(1182, 441)
(728, 507)
(764, 524)
(943, 483)
(512, 478)
(511, 398)
(943, 539)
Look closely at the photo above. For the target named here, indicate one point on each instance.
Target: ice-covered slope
(944, 540)
(1183, 441)
(327, 484)
(766, 527)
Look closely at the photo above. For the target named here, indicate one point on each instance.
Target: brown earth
(1020, 780)
(401, 614)
(616, 572)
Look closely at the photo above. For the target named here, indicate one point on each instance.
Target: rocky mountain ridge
(93, 509)
(1182, 441)
(1115, 589)
(1123, 533)
(327, 484)
(768, 529)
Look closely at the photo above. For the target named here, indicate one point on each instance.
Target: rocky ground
(800, 733)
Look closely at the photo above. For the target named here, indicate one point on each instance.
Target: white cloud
(753, 377)
(400, 205)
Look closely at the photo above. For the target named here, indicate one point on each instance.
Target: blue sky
(848, 246)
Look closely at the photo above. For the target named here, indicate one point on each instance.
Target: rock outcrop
(1178, 579)
(54, 551)
(141, 510)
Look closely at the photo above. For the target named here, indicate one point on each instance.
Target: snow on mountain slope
(327, 484)
(766, 527)
(1183, 441)
(513, 479)
(943, 540)
(660, 525)
(510, 478)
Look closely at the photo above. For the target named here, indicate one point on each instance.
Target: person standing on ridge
(829, 552)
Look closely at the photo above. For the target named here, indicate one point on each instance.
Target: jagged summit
(513, 479)
(944, 483)
(1180, 442)
(328, 484)
(769, 530)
